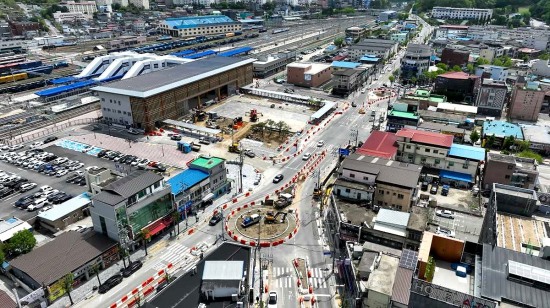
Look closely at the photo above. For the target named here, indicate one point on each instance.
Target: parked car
(445, 190)
(27, 186)
(249, 153)
(110, 283)
(445, 232)
(215, 219)
(424, 186)
(204, 140)
(24, 203)
(37, 204)
(278, 178)
(132, 268)
(251, 220)
(272, 300)
(50, 139)
(61, 173)
(434, 189)
(175, 137)
(445, 214)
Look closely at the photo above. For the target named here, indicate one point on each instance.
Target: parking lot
(457, 199)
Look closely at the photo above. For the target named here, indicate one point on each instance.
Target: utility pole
(241, 164)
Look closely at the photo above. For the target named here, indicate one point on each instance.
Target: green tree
(490, 141)
(414, 80)
(21, 242)
(2, 256)
(482, 61)
(391, 79)
(508, 142)
(531, 154)
(430, 269)
(95, 269)
(67, 285)
(176, 218)
(470, 68)
(474, 136)
(144, 235)
(339, 42)
(457, 68)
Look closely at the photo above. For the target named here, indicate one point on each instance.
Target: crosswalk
(285, 278)
(175, 254)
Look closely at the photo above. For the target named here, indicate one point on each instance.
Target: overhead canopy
(321, 112)
(457, 176)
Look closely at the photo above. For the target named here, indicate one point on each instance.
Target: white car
(75, 167)
(61, 173)
(45, 188)
(36, 144)
(27, 186)
(272, 300)
(92, 168)
(363, 90)
(445, 214)
(79, 172)
(37, 204)
(320, 143)
(16, 147)
(49, 193)
(445, 232)
(306, 156)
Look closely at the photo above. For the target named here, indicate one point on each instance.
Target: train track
(57, 73)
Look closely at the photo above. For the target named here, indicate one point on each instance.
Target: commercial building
(510, 170)
(84, 7)
(70, 17)
(140, 200)
(311, 75)
(268, 65)
(439, 12)
(22, 28)
(457, 86)
(526, 101)
(373, 47)
(451, 32)
(70, 252)
(421, 99)
(66, 213)
(10, 226)
(458, 133)
(379, 144)
(538, 136)
(497, 73)
(492, 97)
(400, 37)
(449, 108)
(397, 119)
(379, 286)
(346, 81)
(126, 41)
(356, 32)
(416, 60)
(222, 279)
(378, 181)
(199, 25)
(387, 16)
(501, 130)
(146, 100)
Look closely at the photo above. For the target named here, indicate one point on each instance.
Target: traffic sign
(344, 152)
(185, 206)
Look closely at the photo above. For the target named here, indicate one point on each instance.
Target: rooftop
(497, 286)
(317, 68)
(529, 240)
(380, 144)
(403, 114)
(65, 253)
(164, 80)
(536, 134)
(418, 219)
(425, 137)
(6, 301)
(467, 151)
(345, 72)
(388, 171)
(382, 279)
(127, 186)
(197, 21)
(446, 107)
(345, 64)
(442, 116)
(520, 162)
(445, 276)
(10, 226)
(402, 285)
(66, 208)
(440, 127)
(494, 83)
(502, 129)
(184, 291)
(457, 75)
(391, 217)
(355, 214)
(207, 162)
(514, 191)
(186, 179)
(223, 270)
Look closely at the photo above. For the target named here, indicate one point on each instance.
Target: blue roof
(410, 26)
(457, 176)
(66, 208)
(63, 80)
(186, 179)
(467, 151)
(197, 21)
(502, 129)
(236, 51)
(66, 88)
(345, 64)
(369, 58)
(183, 53)
(435, 58)
(200, 54)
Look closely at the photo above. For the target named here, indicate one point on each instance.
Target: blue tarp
(66, 88)
(236, 51)
(457, 176)
(200, 54)
(186, 179)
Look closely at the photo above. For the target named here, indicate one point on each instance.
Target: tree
(176, 217)
(531, 154)
(282, 126)
(95, 269)
(508, 142)
(391, 79)
(67, 285)
(339, 42)
(414, 80)
(482, 61)
(21, 242)
(470, 68)
(430, 269)
(457, 68)
(474, 136)
(490, 141)
(144, 235)
(270, 124)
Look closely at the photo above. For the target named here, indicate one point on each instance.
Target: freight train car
(13, 78)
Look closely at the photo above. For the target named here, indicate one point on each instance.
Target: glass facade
(151, 212)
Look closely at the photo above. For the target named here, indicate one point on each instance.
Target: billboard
(452, 297)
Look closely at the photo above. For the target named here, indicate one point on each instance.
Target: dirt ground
(266, 230)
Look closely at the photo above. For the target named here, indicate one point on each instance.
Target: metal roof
(402, 286)
(66, 88)
(391, 217)
(207, 162)
(66, 208)
(186, 179)
(321, 112)
(67, 252)
(197, 21)
(496, 285)
(223, 270)
(457, 176)
(345, 64)
(236, 51)
(193, 127)
(502, 129)
(467, 151)
(201, 54)
(127, 186)
(174, 77)
(408, 260)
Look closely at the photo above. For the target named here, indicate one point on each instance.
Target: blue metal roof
(183, 53)
(66, 88)
(236, 51)
(467, 151)
(186, 179)
(197, 21)
(200, 54)
(457, 176)
(112, 78)
(66, 207)
(345, 64)
(369, 58)
(502, 129)
(63, 80)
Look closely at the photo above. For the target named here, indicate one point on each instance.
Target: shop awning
(457, 176)
(208, 197)
(156, 228)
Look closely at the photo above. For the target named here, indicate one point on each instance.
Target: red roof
(420, 136)
(379, 144)
(455, 75)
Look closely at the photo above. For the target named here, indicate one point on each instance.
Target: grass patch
(524, 9)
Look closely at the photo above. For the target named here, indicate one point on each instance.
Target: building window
(366, 178)
(352, 175)
(437, 161)
(451, 164)
(436, 151)
(156, 185)
(408, 146)
(348, 190)
(381, 191)
(400, 196)
(423, 159)
(465, 166)
(427, 150)
(507, 177)
(103, 225)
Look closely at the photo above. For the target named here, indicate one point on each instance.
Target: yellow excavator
(361, 111)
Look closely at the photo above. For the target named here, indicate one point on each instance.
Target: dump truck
(284, 200)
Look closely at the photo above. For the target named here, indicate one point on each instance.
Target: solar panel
(529, 272)
(408, 260)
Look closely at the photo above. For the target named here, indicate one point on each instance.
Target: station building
(199, 25)
(145, 101)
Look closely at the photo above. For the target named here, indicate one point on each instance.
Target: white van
(38, 203)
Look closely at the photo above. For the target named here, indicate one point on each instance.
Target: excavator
(253, 114)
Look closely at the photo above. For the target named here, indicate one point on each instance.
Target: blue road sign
(343, 151)
(185, 206)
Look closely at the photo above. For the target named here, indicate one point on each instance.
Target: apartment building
(451, 31)
(526, 101)
(492, 97)
(373, 47)
(356, 32)
(199, 25)
(416, 60)
(509, 170)
(308, 74)
(457, 86)
(439, 12)
(84, 7)
(140, 3)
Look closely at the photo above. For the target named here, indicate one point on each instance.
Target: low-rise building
(374, 47)
(494, 72)
(501, 130)
(140, 200)
(311, 75)
(452, 57)
(451, 31)
(379, 144)
(66, 213)
(268, 65)
(374, 180)
(126, 41)
(510, 170)
(68, 17)
(356, 32)
(458, 133)
(397, 119)
(466, 110)
(347, 81)
(526, 100)
(417, 60)
(379, 288)
(84, 7)
(387, 15)
(458, 86)
(400, 37)
(439, 12)
(199, 25)
(10, 226)
(492, 97)
(422, 99)
(538, 136)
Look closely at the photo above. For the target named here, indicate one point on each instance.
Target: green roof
(403, 114)
(207, 162)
